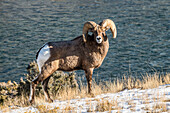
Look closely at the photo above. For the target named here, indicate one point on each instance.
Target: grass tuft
(67, 93)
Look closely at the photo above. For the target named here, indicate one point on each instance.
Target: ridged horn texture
(88, 26)
(109, 24)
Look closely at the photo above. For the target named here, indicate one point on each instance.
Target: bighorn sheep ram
(85, 52)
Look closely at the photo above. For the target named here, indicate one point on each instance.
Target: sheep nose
(99, 37)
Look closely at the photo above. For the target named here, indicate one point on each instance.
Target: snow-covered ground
(134, 100)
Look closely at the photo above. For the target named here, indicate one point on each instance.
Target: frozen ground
(127, 101)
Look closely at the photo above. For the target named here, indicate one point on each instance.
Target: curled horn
(109, 24)
(88, 26)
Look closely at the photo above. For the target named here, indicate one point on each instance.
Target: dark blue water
(142, 45)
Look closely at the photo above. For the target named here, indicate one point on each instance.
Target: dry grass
(107, 105)
(149, 81)
(161, 107)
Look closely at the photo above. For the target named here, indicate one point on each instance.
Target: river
(142, 44)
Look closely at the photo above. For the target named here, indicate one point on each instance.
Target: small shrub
(58, 81)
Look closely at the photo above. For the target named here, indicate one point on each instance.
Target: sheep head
(99, 30)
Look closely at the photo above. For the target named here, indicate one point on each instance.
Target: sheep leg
(40, 78)
(32, 88)
(45, 84)
(89, 73)
(32, 92)
(47, 70)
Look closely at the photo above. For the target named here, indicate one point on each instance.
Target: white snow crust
(130, 101)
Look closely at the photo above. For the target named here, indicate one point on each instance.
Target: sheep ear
(109, 24)
(88, 26)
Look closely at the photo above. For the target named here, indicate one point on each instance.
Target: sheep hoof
(31, 102)
(90, 95)
(50, 100)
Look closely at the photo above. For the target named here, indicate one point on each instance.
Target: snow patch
(135, 100)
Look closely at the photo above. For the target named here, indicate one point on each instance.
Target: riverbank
(152, 94)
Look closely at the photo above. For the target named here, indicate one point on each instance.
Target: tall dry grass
(148, 81)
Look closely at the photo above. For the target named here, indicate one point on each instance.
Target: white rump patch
(43, 56)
